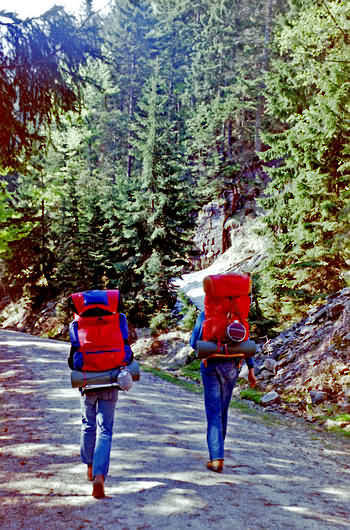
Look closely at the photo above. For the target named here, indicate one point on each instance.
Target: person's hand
(251, 378)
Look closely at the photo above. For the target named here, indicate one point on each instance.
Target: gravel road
(277, 475)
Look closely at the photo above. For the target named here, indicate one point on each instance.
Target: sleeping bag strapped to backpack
(226, 307)
(97, 333)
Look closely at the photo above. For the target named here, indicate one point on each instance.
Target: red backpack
(226, 307)
(96, 332)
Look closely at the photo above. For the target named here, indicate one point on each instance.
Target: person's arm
(251, 378)
(125, 334)
(73, 335)
(251, 374)
(70, 357)
(197, 330)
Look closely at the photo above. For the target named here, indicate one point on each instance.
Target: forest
(117, 128)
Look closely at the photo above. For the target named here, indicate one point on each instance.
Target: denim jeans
(219, 379)
(97, 410)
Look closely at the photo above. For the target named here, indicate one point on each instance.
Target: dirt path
(276, 476)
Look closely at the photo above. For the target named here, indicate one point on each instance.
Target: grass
(192, 370)
(252, 395)
(342, 417)
(192, 387)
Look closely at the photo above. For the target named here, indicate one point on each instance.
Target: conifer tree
(163, 204)
(226, 81)
(40, 59)
(309, 93)
(130, 47)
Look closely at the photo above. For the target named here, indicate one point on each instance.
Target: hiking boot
(216, 465)
(89, 473)
(98, 490)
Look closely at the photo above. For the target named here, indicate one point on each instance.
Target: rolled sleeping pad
(205, 349)
(80, 379)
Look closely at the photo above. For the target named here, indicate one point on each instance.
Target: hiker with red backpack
(99, 345)
(221, 338)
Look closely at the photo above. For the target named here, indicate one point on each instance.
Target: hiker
(99, 341)
(219, 373)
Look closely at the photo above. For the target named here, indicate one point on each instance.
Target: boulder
(317, 396)
(270, 364)
(270, 398)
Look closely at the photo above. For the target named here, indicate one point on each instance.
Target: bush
(189, 313)
(160, 322)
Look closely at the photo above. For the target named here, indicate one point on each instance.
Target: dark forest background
(117, 128)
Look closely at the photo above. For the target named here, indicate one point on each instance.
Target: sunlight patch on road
(35, 448)
(44, 360)
(9, 373)
(337, 492)
(196, 478)
(126, 435)
(177, 500)
(333, 452)
(310, 514)
(284, 478)
(49, 345)
(134, 487)
(65, 393)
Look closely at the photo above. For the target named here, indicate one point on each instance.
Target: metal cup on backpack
(236, 332)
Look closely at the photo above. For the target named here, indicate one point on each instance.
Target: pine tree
(226, 84)
(163, 204)
(40, 76)
(308, 92)
(130, 47)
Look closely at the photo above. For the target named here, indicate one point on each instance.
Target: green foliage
(161, 322)
(260, 324)
(174, 123)
(225, 79)
(308, 91)
(162, 203)
(188, 311)
(40, 60)
(343, 417)
(252, 395)
(191, 370)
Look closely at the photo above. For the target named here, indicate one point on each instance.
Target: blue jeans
(97, 410)
(219, 379)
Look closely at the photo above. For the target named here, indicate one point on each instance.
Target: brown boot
(98, 490)
(89, 473)
(216, 465)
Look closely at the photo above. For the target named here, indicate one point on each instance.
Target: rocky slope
(305, 370)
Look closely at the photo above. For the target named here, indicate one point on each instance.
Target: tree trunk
(265, 65)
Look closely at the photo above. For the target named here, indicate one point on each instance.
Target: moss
(291, 398)
(342, 417)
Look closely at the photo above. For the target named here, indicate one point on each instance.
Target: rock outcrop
(308, 364)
